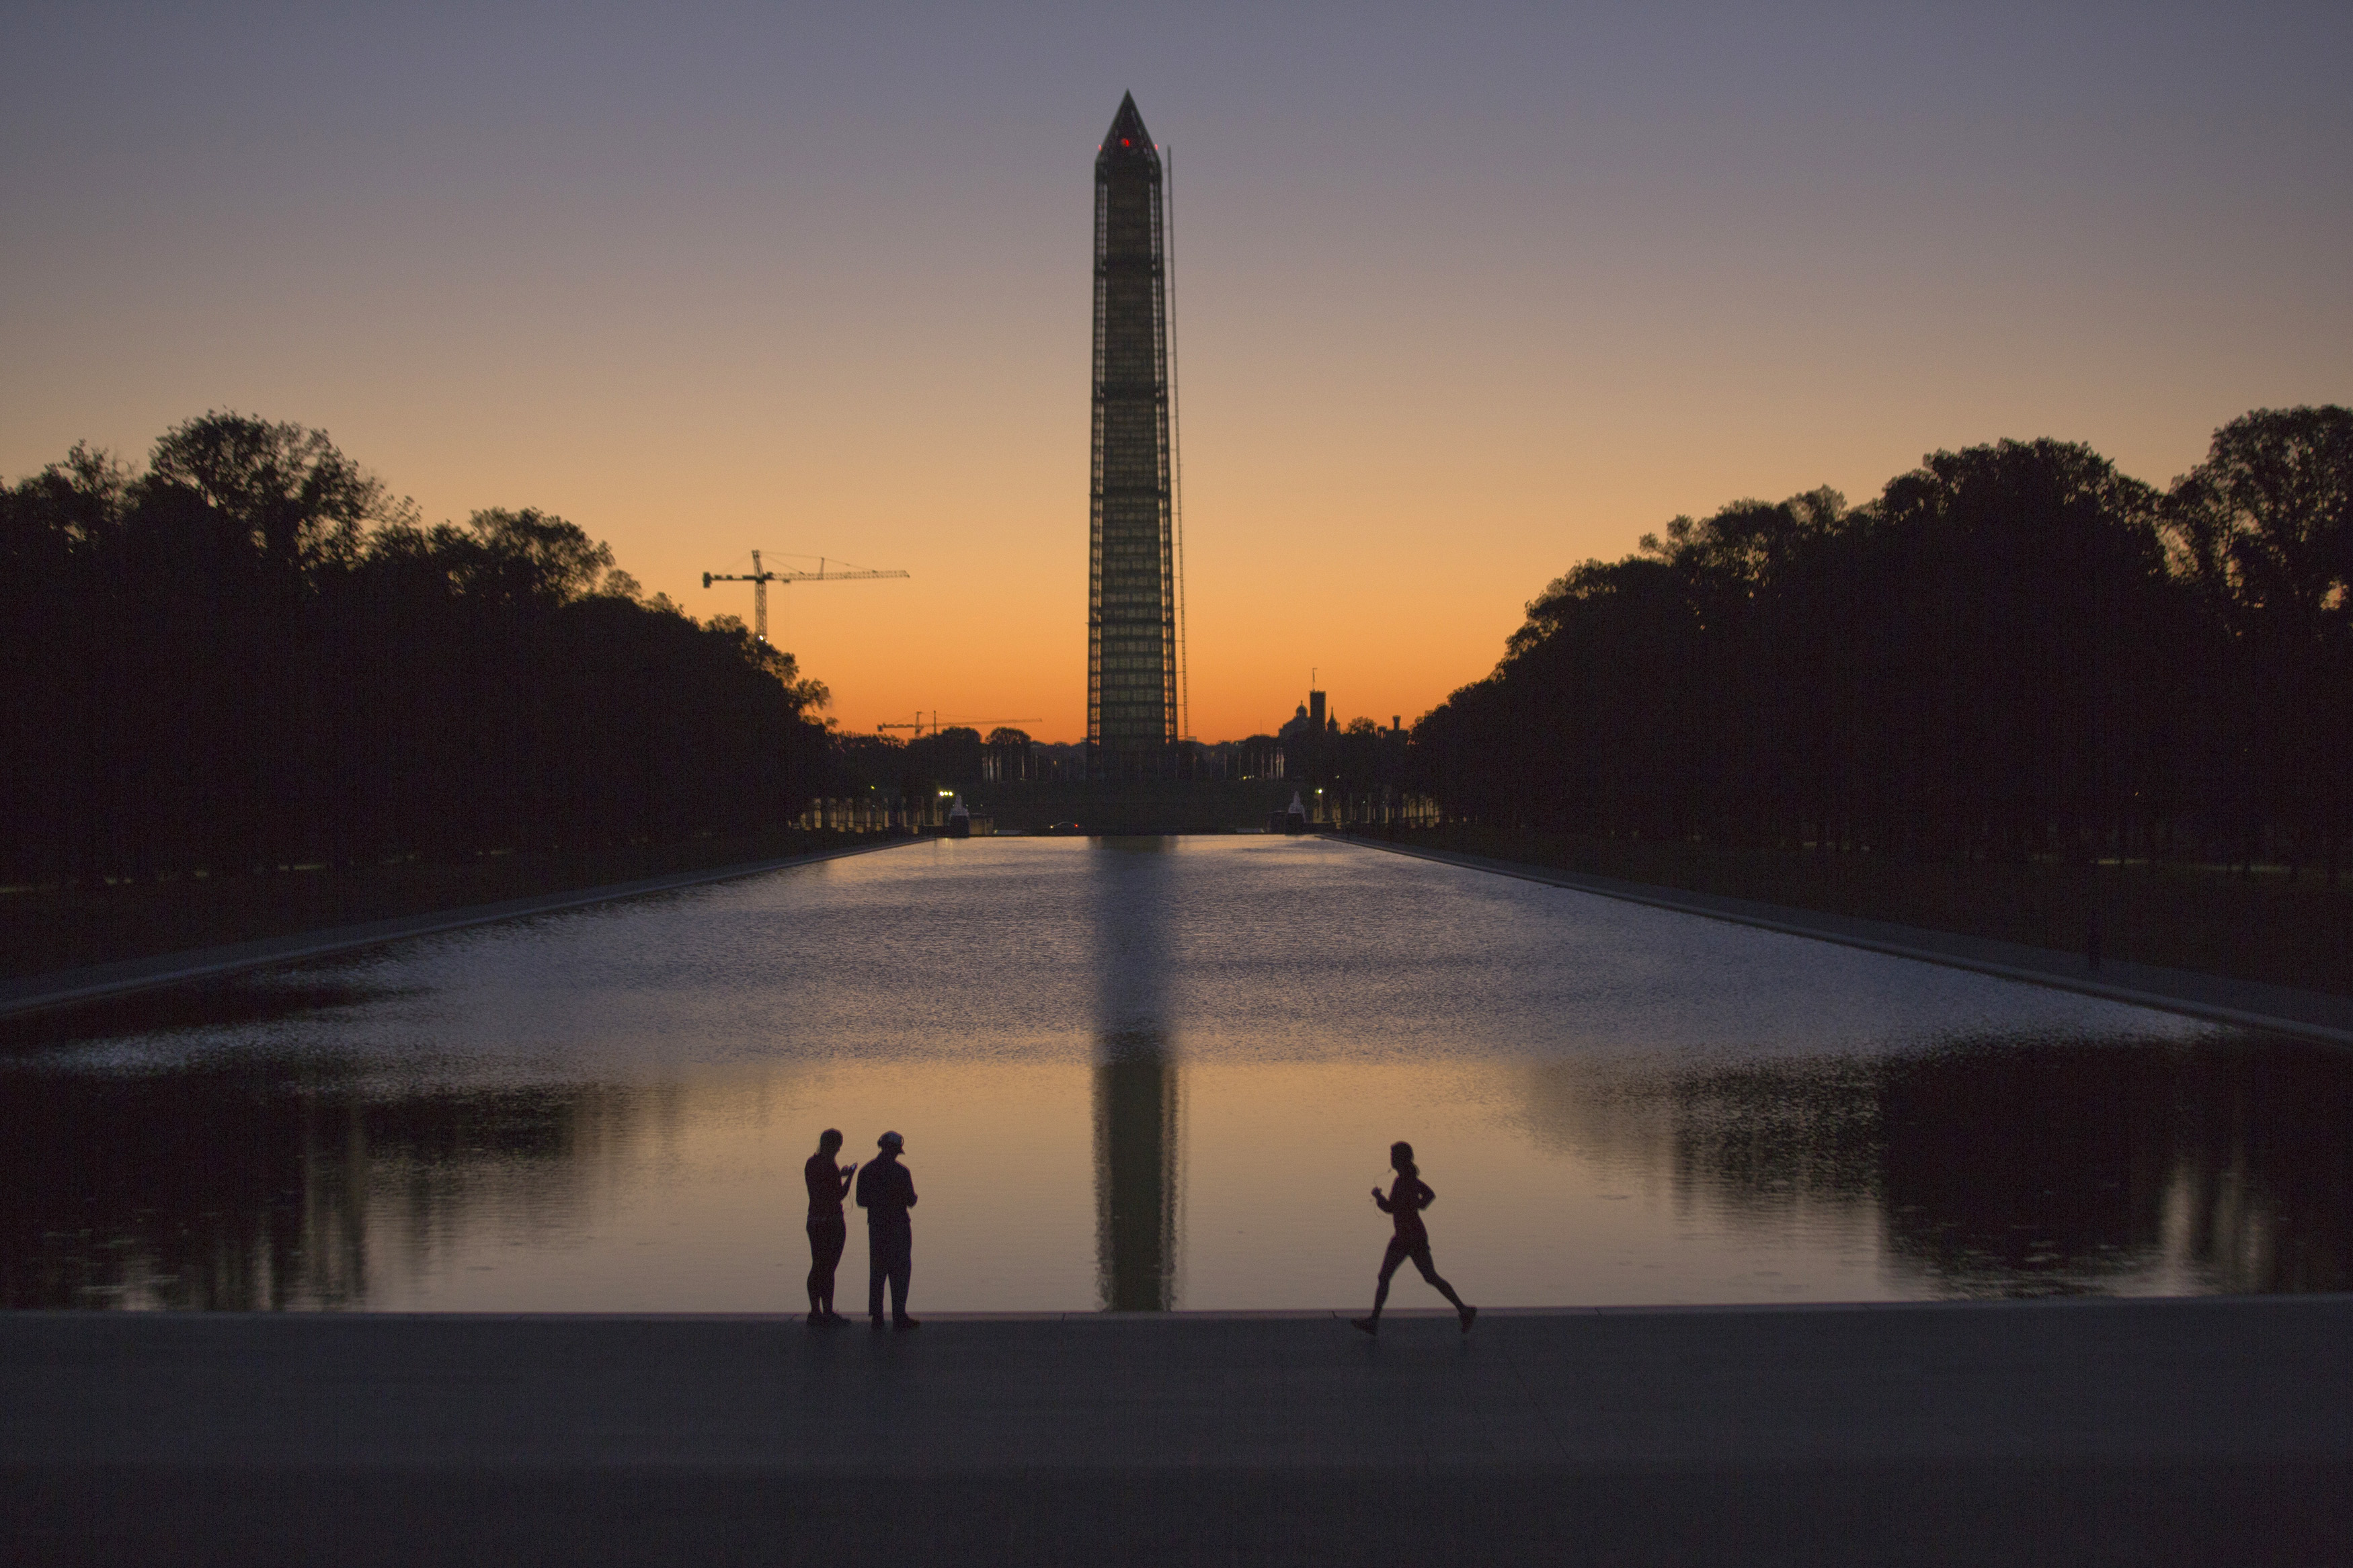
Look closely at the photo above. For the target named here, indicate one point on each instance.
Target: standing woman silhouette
(1408, 1196)
(828, 1231)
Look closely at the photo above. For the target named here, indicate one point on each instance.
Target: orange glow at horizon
(1519, 288)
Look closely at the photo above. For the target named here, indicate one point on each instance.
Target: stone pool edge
(104, 982)
(2278, 1009)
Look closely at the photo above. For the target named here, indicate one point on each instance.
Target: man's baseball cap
(890, 1141)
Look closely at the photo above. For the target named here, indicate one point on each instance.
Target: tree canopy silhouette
(2011, 649)
(250, 654)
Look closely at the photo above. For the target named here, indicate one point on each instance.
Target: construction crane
(935, 726)
(760, 577)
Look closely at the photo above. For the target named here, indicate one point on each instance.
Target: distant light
(1123, 141)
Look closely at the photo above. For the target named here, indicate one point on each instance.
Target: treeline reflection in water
(241, 1189)
(2006, 1167)
(1985, 1168)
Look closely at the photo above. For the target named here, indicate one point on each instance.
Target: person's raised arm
(1423, 1197)
(1383, 1202)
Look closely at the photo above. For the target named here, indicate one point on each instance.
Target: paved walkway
(2307, 1015)
(36, 992)
(2212, 1432)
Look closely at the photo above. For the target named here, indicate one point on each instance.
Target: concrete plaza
(2204, 1431)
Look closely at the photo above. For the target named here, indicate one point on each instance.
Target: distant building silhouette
(1132, 719)
(1307, 742)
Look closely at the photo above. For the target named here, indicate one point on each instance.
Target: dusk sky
(1462, 297)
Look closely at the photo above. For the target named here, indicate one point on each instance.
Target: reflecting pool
(1148, 1073)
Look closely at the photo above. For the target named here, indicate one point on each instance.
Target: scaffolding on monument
(1133, 713)
(1176, 454)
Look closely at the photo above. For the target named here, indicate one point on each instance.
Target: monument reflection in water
(1140, 1074)
(1135, 1085)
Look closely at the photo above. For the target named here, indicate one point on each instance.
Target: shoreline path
(29, 994)
(2213, 1431)
(2316, 1016)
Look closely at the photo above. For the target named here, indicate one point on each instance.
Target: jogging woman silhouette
(1408, 1196)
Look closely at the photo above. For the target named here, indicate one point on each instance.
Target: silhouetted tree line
(250, 654)
(904, 778)
(2014, 649)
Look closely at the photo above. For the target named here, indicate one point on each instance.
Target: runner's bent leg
(1429, 1272)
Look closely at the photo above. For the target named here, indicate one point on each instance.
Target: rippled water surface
(1146, 1073)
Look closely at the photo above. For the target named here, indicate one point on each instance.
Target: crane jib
(760, 577)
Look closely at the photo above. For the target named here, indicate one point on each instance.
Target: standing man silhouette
(886, 1191)
(828, 1233)
(1409, 1195)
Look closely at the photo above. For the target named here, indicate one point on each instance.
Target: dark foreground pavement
(2202, 1431)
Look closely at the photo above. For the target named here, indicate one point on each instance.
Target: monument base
(1161, 805)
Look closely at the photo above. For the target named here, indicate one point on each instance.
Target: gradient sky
(1462, 297)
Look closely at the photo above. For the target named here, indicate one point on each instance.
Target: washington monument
(1132, 582)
